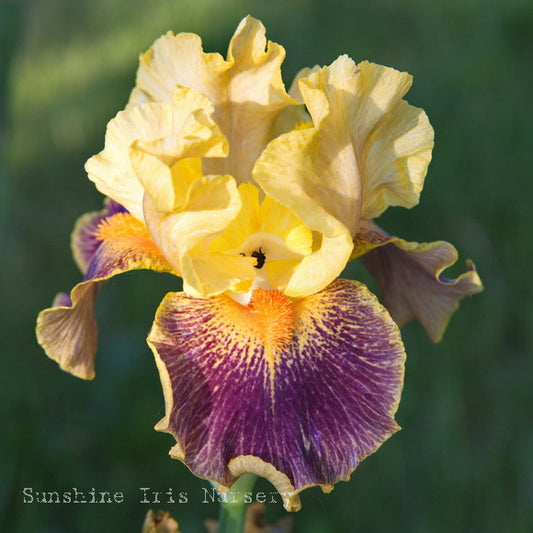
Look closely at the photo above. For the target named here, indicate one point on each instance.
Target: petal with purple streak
(67, 330)
(410, 280)
(298, 392)
(84, 242)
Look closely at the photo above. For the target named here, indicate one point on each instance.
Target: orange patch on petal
(266, 322)
(127, 228)
(119, 226)
(272, 315)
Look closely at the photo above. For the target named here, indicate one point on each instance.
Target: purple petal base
(303, 415)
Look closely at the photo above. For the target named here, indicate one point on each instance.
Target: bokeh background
(463, 462)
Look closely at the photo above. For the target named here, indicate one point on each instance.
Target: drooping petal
(298, 392)
(246, 90)
(119, 243)
(368, 149)
(181, 128)
(410, 280)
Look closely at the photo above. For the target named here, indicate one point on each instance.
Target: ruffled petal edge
(410, 280)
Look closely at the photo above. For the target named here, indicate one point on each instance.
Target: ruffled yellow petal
(368, 149)
(209, 204)
(396, 156)
(286, 172)
(246, 89)
(389, 141)
(141, 143)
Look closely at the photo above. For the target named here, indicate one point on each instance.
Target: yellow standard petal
(143, 141)
(246, 89)
(368, 149)
(286, 173)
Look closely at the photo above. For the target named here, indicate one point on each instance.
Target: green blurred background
(463, 462)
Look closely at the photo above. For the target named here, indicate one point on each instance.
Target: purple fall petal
(304, 413)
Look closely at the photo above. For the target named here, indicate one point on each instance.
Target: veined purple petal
(107, 243)
(84, 241)
(296, 392)
(409, 277)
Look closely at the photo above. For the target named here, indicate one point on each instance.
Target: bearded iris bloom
(258, 198)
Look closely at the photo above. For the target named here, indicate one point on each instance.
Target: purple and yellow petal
(410, 280)
(126, 245)
(119, 242)
(296, 391)
(84, 241)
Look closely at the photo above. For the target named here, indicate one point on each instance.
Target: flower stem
(232, 512)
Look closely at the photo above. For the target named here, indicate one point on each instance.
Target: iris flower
(258, 198)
